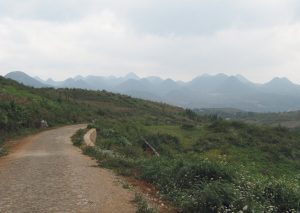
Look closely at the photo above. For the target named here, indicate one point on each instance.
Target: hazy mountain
(206, 91)
(167, 86)
(281, 86)
(98, 82)
(131, 76)
(25, 79)
(39, 79)
(206, 83)
(53, 83)
(133, 85)
(154, 79)
(78, 77)
(243, 79)
(232, 85)
(181, 97)
(72, 83)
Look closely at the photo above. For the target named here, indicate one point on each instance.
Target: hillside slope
(22, 108)
(206, 164)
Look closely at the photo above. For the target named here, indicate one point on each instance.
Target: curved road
(46, 173)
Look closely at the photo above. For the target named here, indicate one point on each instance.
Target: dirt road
(46, 173)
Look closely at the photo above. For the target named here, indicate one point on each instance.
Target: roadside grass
(142, 204)
(214, 166)
(77, 138)
(209, 183)
(186, 136)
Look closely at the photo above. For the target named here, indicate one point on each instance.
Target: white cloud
(259, 39)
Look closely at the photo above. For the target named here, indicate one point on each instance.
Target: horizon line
(164, 79)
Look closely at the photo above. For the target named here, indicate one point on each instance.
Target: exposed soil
(151, 194)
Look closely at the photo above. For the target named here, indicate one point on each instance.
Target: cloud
(62, 38)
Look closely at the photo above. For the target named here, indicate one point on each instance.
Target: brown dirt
(152, 195)
(46, 173)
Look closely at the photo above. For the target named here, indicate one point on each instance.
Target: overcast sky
(180, 39)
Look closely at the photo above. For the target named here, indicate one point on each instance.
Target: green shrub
(1, 141)
(194, 184)
(219, 126)
(77, 138)
(212, 197)
(282, 195)
(188, 126)
(163, 143)
(200, 172)
(142, 205)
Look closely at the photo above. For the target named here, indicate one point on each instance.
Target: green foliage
(215, 166)
(165, 144)
(187, 126)
(194, 184)
(202, 185)
(3, 150)
(142, 205)
(24, 107)
(77, 138)
(219, 126)
(281, 195)
(191, 114)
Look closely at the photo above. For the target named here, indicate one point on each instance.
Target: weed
(142, 205)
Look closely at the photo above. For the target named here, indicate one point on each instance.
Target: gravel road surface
(46, 173)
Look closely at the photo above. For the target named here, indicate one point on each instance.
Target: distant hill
(25, 79)
(282, 86)
(206, 91)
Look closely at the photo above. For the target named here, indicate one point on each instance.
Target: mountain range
(206, 91)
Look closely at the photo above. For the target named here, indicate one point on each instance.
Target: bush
(165, 144)
(212, 197)
(282, 195)
(142, 205)
(197, 173)
(193, 184)
(219, 126)
(77, 138)
(1, 141)
(187, 126)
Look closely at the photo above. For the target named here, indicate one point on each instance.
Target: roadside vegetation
(22, 108)
(205, 163)
(142, 205)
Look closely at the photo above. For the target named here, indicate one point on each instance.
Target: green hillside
(22, 108)
(206, 164)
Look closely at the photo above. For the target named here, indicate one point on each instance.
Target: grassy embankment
(205, 164)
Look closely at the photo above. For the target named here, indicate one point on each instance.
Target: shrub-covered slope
(23, 108)
(206, 164)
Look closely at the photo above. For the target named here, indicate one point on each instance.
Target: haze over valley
(205, 91)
